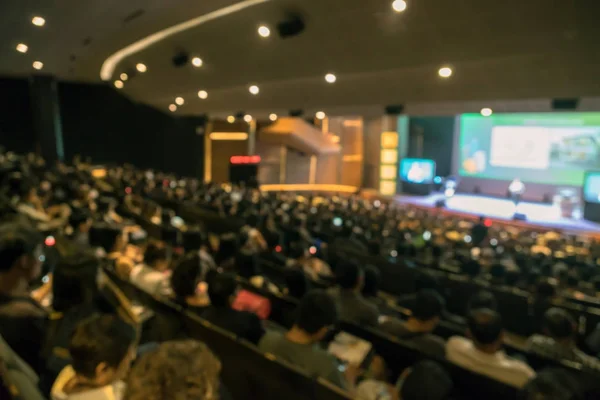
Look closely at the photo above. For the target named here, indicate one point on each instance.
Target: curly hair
(176, 370)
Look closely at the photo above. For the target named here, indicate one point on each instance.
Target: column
(46, 118)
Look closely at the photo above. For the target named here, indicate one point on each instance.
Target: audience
(101, 349)
(418, 329)
(370, 288)
(189, 290)
(482, 352)
(185, 370)
(153, 274)
(559, 341)
(351, 304)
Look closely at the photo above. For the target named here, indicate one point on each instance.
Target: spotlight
(38, 21)
(22, 48)
(119, 84)
(399, 5)
(330, 78)
(197, 62)
(248, 118)
(38, 65)
(141, 67)
(254, 89)
(445, 72)
(264, 31)
(172, 107)
(124, 76)
(320, 115)
(203, 94)
(231, 119)
(486, 112)
(273, 117)
(179, 101)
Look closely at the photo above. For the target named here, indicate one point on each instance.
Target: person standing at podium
(516, 190)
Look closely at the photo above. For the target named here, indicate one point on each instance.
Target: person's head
(471, 268)
(559, 324)
(246, 265)
(75, 281)
(157, 256)
(572, 280)
(545, 289)
(426, 280)
(512, 277)
(107, 237)
(372, 281)
(222, 289)
(184, 369)
(102, 349)
(21, 253)
(80, 220)
(316, 314)
(426, 380)
(485, 329)
(428, 309)
(186, 276)
(553, 384)
(498, 272)
(482, 299)
(228, 247)
(296, 282)
(349, 275)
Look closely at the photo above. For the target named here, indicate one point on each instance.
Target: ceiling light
(264, 31)
(203, 94)
(331, 78)
(231, 119)
(254, 89)
(119, 84)
(197, 62)
(179, 101)
(38, 65)
(38, 21)
(22, 48)
(486, 112)
(124, 76)
(273, 117)
(399, 5)
(445, 72)
(320, 115)
(141, 67)
(172, 107)
(248, 118)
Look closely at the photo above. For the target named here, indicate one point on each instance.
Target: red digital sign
(237, 160)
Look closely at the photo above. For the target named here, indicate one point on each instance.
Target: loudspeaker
(292, 26)
(296, 113)
(565, 104)
(181, 59)
(394, 109)
(519, 217)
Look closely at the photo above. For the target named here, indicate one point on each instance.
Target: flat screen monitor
(591, 187)
(417, 170)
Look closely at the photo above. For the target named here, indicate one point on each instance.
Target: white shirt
(114, 391)
(151, 280)
(498, 366)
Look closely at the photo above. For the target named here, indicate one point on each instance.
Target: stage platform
(544, 216)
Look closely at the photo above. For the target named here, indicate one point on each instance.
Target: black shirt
(241, 323)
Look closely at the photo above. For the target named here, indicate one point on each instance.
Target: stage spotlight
(124, 76)
(330, 78)
(231, 119)
(254, 90)
(399, 5)
(486, 112)
(445, 72)
(119, 84)
(181, 59)
(320, 115)
(197, 62)
(248, 118)
(141, 67)
(264, 31)
(172, 107)
(203, 94)
(273, 117)
(179, 101)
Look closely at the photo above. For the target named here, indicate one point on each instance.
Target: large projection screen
(541, 148)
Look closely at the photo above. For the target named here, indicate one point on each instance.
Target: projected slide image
(540, 148)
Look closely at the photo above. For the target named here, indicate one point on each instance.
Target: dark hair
(426, 380)
(559, 323)
(105, 236)
(485, 325)
(428, 305)
(227, 248)
(572, 280)
(75, 281)
(348, 274)
(498, 271)
(16, 241)
(246, 265)
(220, 289)
(596, 282)
(296, 282)
(471, 268)
(482, 299)
(374, 247)
(512, 277)
(316, 311)
(296, 249)
(155, 252)
(78, 217)
(426, 280)
(372, 281)
(185, 277)
(436, 251)
(553, 384)
(100, 339)
(545, 288)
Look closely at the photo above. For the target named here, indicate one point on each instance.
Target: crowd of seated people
(75, 334)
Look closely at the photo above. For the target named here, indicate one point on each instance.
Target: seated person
(102, 349)
(418, 329)
(351, 304)
(315, 316)
(296, 283)
(370, 288)
(424, 280)
(80, 222)
(190, 292)
(246, 266)
(153, 274)
(482, 352)
(555, 384)
(559, 341)
(222, 289)
(22, 320)
(16, 375)
(184, 369)
(482, 299)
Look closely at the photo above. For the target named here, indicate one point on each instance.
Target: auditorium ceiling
(524, 51)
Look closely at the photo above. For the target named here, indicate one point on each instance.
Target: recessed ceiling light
(179, 101)
(445, 72)
(141, 67)
(38, 21)
(320, 115)
(486, 112)
(264, 31)
(399, 5)
(38, 65)
(172, 107)
(119, 84)
(197, 62)
(254, 89)
(330, 78)
(231, 119)
(124, 76)
(273, 117)
(248, 118)
(22, 48)
(203, 94)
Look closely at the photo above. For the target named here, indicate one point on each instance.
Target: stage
(538, 215)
